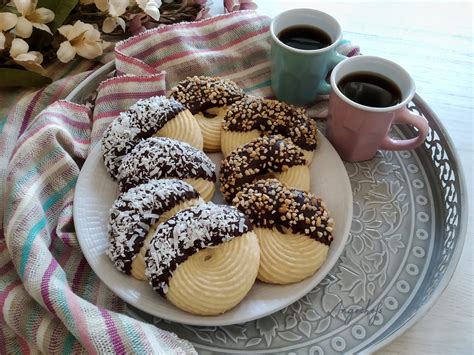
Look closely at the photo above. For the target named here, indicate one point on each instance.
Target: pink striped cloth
(50, 299)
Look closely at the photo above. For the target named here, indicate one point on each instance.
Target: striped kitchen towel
(51, 301)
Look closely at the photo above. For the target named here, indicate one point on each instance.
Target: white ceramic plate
(96, 191)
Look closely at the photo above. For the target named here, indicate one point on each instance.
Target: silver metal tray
(407, 234)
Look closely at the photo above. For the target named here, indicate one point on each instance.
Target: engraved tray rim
(91, 83)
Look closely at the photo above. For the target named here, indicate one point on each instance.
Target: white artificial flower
(82, 39)
(31, 17)
(150, 7)
(115, 9)
(29, 60)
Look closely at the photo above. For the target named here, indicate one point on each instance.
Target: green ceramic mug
(299, 75)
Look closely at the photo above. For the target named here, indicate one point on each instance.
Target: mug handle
(406, 117)
(336, 58)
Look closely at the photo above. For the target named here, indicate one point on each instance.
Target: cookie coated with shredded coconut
(185, 234)
(159, 158)
(143, 119)
(134, 212)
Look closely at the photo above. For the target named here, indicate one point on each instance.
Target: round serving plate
(407, 233)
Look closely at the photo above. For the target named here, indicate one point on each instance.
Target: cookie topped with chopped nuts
(208, 99)
(265, 117)
(270, 204)
(270, 156)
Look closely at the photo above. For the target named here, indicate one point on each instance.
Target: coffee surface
(370, 89)
(305, 37)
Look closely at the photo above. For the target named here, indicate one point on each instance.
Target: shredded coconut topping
(199, 93)
(143, 119)
(185, 234)
(272, 117)
(271, 204)
(263, 155)
(158, 158)
(138, 209)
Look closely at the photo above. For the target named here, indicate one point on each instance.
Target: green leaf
(18, 77)
(61, 9)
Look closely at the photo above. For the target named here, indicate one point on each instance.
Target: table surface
(434, 42)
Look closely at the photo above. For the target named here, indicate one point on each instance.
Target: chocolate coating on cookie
(262, 156)
(160, 158)
(185, 234)
(199, 93)
(136, 211)
(142, 120)
(271, 204)
(272, 117)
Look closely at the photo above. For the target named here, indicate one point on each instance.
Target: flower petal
(25, 7)
(79, 29)
(2, 40)
(42, 26)
(7, 21)
(121, 23)
(117, 7)
(29, 57)
(31, 66)
(89, 50)
(65, 30)
(102, 5)
(41, 15)
(152, 9)
(23, 28)
(66, 52)
(18, 47)
(92, 35)
(109, 24)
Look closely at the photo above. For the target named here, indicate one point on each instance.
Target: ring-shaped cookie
(254, 116)
(267, 156)
(135, 215)
(204, 260)
(155, 116)
(161, 158)
(293, 227)
(208, 99)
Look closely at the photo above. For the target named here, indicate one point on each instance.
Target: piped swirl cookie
(161, 158)
(158, 116)
(254, 116)
(204, 259)
(293, 227)
(268, 156)
(208, 99)
(136, 213)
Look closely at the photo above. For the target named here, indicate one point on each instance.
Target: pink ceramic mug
(357, 130)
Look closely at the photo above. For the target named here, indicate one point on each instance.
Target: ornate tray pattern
(406, 237)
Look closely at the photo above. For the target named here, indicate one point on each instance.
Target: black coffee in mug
(304, 37)
(370, 89)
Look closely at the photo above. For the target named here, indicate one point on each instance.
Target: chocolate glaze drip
(272, 117)
(262, 156)
(199, 93)
(136, 211)
(143, 119)
(186, 233)
(159, 158)
(270, 204)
